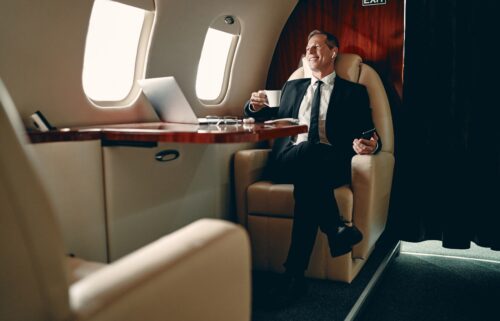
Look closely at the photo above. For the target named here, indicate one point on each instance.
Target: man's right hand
(258, 100)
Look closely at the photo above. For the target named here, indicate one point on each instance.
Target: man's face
(319, 55)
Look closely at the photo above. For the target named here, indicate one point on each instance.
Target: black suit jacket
(348, 114)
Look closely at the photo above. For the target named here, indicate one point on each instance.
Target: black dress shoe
(342, 242)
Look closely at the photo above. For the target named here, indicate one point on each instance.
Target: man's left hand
(365, 146)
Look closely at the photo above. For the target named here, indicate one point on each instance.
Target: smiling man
(337, 112)
(320, 54)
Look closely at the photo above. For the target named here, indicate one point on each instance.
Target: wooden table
(170, 132)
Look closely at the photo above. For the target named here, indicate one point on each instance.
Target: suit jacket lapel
(301, 92)
(336, 98)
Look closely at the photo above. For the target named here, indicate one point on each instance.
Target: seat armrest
(249, 166)
(371, 184)
(162, 280)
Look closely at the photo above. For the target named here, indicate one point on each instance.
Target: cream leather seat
(183, 276)
(266, 209)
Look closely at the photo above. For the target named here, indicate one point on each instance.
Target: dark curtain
(446, 183)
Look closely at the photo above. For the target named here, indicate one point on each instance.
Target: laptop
(169, 102)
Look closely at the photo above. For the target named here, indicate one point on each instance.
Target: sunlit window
(215, 61)
(111, 50)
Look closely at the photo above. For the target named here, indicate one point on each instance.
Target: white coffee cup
(273, 97)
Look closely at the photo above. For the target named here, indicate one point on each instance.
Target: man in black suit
(337, 112)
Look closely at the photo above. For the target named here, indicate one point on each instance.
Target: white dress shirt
(305, 107)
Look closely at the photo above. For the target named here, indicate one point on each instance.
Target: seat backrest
(351, 67)
(33, 283)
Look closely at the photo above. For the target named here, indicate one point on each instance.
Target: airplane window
(215, 63)
(111, 49)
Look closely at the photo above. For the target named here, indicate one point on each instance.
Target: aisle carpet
(428, 288)
(325, 300)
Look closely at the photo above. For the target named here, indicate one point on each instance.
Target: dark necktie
(313, 135)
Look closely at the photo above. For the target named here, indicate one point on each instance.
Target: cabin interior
(110, 213)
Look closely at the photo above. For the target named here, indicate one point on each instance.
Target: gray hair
(331, 40)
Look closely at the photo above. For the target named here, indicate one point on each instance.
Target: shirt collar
(327, 79)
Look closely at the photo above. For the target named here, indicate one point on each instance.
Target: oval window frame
(142, 49)
(229, 24)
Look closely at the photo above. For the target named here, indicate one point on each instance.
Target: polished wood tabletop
(170, 132)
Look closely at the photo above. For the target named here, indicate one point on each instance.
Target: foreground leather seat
(266, 208)
(183, 276)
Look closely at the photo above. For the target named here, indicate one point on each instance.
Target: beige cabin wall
(72, 172)
(43, 43)
(41, 63)
(119, 199)
(146, 199)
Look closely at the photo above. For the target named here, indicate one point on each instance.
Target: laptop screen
(167, 99)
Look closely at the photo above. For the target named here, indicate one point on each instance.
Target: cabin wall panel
(146, 199)
(177, 53)
(43, 43)
(41, 61)
(72, 172)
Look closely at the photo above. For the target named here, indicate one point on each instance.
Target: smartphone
(368, 134)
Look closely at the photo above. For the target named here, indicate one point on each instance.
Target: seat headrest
(351, 67)
(347, 66)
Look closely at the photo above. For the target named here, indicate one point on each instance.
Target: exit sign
(374, 2)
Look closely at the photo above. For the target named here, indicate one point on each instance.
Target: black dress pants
(315, 170)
